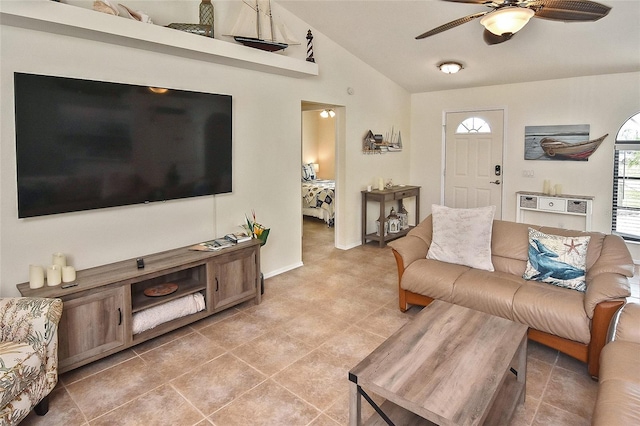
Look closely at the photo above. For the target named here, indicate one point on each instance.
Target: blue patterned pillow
(557, 260)
(308, 172)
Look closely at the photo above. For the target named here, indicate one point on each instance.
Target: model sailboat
(255, 28)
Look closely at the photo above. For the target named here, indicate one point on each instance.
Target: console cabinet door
(90, 325)
(235, 278)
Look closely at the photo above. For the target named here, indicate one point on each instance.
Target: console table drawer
(405, 194)
(528, 202)
(552, 204)
(577, 206)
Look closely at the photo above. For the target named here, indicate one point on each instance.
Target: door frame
(443, 147)
(340, 155)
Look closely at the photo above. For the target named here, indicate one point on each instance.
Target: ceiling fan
(509, 16)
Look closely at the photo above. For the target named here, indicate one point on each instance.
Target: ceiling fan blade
(568, 10)
(470, 1)
(451, 24)
(491, 39)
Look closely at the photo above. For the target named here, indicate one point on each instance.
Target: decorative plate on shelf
(161, 289)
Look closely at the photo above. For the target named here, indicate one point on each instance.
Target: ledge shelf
(73, 21)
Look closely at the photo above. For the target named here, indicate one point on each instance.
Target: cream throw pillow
(462, 236)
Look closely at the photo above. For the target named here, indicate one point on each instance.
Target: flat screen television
(83, 144)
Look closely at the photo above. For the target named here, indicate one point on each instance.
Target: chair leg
(42, 407)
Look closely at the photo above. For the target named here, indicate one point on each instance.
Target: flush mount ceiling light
(159, 90)
(450, 67)
(328, 113)
(507, 20)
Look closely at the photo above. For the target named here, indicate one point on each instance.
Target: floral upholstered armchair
(28, 355)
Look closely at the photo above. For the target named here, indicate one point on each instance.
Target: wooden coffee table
(450, 365)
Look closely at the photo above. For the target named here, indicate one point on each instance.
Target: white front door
(473, 159)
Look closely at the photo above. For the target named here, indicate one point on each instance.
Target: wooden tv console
(97, 315)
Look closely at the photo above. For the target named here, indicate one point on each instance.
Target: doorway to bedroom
(319, 176)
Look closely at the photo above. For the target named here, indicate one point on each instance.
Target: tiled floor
(285, 361)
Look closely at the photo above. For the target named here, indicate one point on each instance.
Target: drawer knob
(550, 203)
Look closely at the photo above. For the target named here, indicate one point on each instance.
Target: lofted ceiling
(382, 34)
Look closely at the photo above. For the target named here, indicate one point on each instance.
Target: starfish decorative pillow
(557, 260)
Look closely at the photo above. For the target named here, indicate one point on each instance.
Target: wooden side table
(395, 193)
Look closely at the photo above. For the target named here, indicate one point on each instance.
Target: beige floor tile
(542, 352)
(572, 392)
(108, 389)
(161, 406)
(182, 355)
(346, 309)
(538, 374)
(276, 310)
(272, 352)
(235, 331)
(314, 327)
(266, 404)
(96, 367)
(549, 415)
(324, 420)
(217, 382)
(319, 378)
(384, 321)
(525, 413)
(162, 340)
(352, 345)
(339, 411)
(65, 413)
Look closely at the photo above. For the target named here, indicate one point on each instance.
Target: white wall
(319, 143)
(267, 149)
(604, 102)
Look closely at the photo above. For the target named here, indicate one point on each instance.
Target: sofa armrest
(605, 287)
(626, 324)
(410, 248)
(415, 244)
(614, 258)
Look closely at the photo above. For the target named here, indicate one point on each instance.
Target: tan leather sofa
(618, 401)
(573, 322)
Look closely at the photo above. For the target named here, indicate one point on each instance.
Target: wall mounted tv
(83, 144)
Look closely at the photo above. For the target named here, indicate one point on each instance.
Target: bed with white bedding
(318, 196)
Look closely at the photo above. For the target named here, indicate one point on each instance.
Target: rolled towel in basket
(152, 317)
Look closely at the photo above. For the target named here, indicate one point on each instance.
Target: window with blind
(626, 181)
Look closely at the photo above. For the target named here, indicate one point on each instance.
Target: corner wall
(266, 150)
(604, 102)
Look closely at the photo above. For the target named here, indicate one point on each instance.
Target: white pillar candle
(54, 275)
(546, 186)
(59, 259)
(68, 274)
(368, 188)
(558, 189)
(36, 276)
(380, 184)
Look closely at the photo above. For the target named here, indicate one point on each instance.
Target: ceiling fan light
(450, 67)
(507, 20)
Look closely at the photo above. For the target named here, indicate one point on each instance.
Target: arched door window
(626, 181)
(473, 125)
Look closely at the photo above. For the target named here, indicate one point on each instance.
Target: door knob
(495, 182)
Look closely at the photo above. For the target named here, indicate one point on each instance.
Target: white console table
(576, 205)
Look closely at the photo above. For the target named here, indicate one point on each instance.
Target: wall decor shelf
(98, 314)
(576, 205)
(73, 21)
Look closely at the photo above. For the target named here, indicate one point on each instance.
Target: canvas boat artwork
(560, 142)
(256, 28)
(577, 151)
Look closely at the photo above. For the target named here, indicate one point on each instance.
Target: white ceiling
(382, 34)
